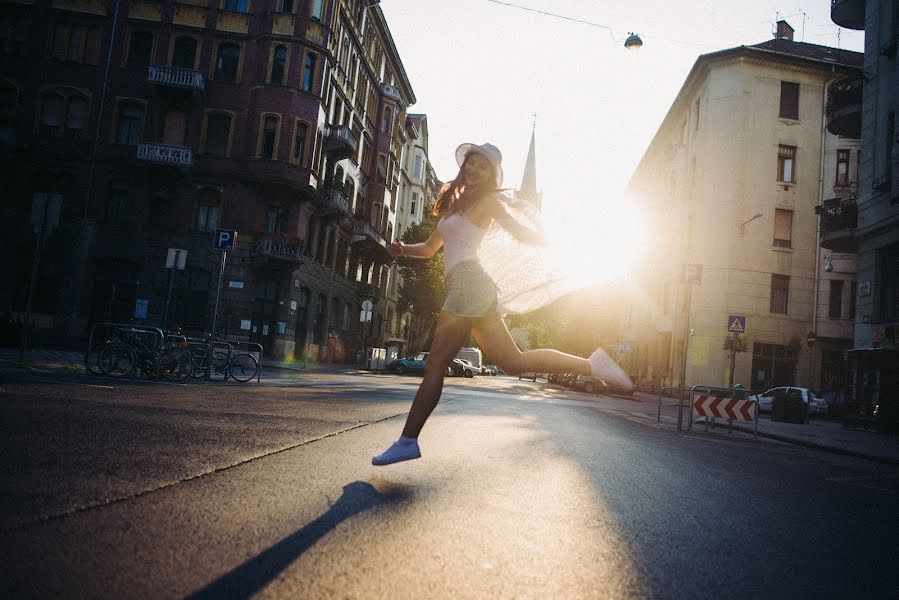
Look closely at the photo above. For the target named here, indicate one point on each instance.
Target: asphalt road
(130, 490)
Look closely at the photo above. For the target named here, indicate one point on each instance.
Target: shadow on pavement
(250, 577)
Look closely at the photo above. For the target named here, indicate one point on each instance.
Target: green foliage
(422, 287)
(735, 343)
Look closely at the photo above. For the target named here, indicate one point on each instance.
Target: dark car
(410, 364)
(462, 368)
(595, 385)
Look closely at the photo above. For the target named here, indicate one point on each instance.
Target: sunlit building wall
(730, 183)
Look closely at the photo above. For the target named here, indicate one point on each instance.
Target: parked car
(463, 368)
(489, 370)
(817, 405)
(595, 385)
(411, 364)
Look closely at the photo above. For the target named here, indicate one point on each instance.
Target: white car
(817, 404)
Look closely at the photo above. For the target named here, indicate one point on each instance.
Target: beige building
(730, 183)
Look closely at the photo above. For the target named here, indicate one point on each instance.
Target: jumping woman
(482, 286)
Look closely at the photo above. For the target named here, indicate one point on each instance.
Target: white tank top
(461, 239)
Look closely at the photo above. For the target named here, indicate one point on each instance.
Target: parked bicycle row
(120, 350)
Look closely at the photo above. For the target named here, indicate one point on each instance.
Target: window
(140, 49)
(853, 294)
(275, 220)
(836, 299)
(783, 228)
(888, 280)
(286, 6)
(309, 73)
(786, 164)
(76, 116)
(789, 100)
(412, 207)
(207, 210)
(184, 53)
(218, 131)
(345, 324)
(315, 10)
(269, 135)
(842, 168)
(77, 38)
(279, 60)
(237, 5)
(382, 168)
(416, 168)
(162, 210)
(117, 205)
(299, 143)
(128, 124)
(780, 292)
(227, 63)
(51, 114)
(387, 120)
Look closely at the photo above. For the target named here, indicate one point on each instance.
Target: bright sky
(480, 70)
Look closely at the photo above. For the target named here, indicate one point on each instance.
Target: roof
(810, 51)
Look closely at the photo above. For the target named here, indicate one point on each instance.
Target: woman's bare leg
(493, 337)
(452, 331)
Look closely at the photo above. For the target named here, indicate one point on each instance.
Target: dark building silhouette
(275, 118)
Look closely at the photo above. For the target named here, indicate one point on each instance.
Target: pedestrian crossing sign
(736, 324)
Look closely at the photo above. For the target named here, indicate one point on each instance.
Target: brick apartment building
(154, 123)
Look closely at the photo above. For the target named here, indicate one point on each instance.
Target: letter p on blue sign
(224, 239)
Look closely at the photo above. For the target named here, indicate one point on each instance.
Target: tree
(422, 287)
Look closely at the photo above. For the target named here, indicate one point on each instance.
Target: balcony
(844, 107)
(286, 253)
(333, 203)
(393, 93)
(839, 218)
(848, 13)
(368, 291)
(370, 243)
(340, 142)
(163, 154)
(176, 77)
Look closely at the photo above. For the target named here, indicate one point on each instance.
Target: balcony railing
(844, 107)
(391, 92)
(176, 77)
(848, 13)
(339, 140)
(163, 154)
(363, 230)
(278, 249)
(334, 202)
(839, 218)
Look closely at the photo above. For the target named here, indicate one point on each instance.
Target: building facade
(730, 183)
(278, 119)
(868, 221)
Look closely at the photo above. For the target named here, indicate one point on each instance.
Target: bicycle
(239, 366)
(127, 352)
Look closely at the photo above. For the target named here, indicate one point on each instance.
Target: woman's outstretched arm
(425, 249)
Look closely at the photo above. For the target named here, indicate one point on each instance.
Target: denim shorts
(469, 291)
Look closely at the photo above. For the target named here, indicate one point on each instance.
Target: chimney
(784, 31)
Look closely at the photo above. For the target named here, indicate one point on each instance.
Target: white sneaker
(603, 367)
(398, 452)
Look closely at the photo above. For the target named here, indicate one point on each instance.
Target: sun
(596, 242)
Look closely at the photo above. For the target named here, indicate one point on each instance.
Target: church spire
(528, 189)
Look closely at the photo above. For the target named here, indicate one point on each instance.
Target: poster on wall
(282, 327)
(265, 329)
(245, 324)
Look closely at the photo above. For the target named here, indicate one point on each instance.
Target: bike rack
(109, 329)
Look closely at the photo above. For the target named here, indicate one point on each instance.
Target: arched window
(309, 73)
(351, 193)
(269, 134)
(218, 131)
(387, 120)
(338, 177)
(279, 61)
(227, 62)
(76, 115)
(299, 143)
(185, 52)
(316, 11)
(129, 122)
(51, 113)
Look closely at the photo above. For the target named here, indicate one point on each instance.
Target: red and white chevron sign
(724, 408)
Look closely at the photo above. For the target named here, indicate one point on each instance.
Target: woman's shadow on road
(245, 580)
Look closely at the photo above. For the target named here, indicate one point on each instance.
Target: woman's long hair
(454, 198)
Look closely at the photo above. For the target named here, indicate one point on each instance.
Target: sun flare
(596, 243)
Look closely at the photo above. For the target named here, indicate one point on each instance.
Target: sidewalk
(820, 434)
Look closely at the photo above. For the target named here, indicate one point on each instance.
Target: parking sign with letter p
(224, 239)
